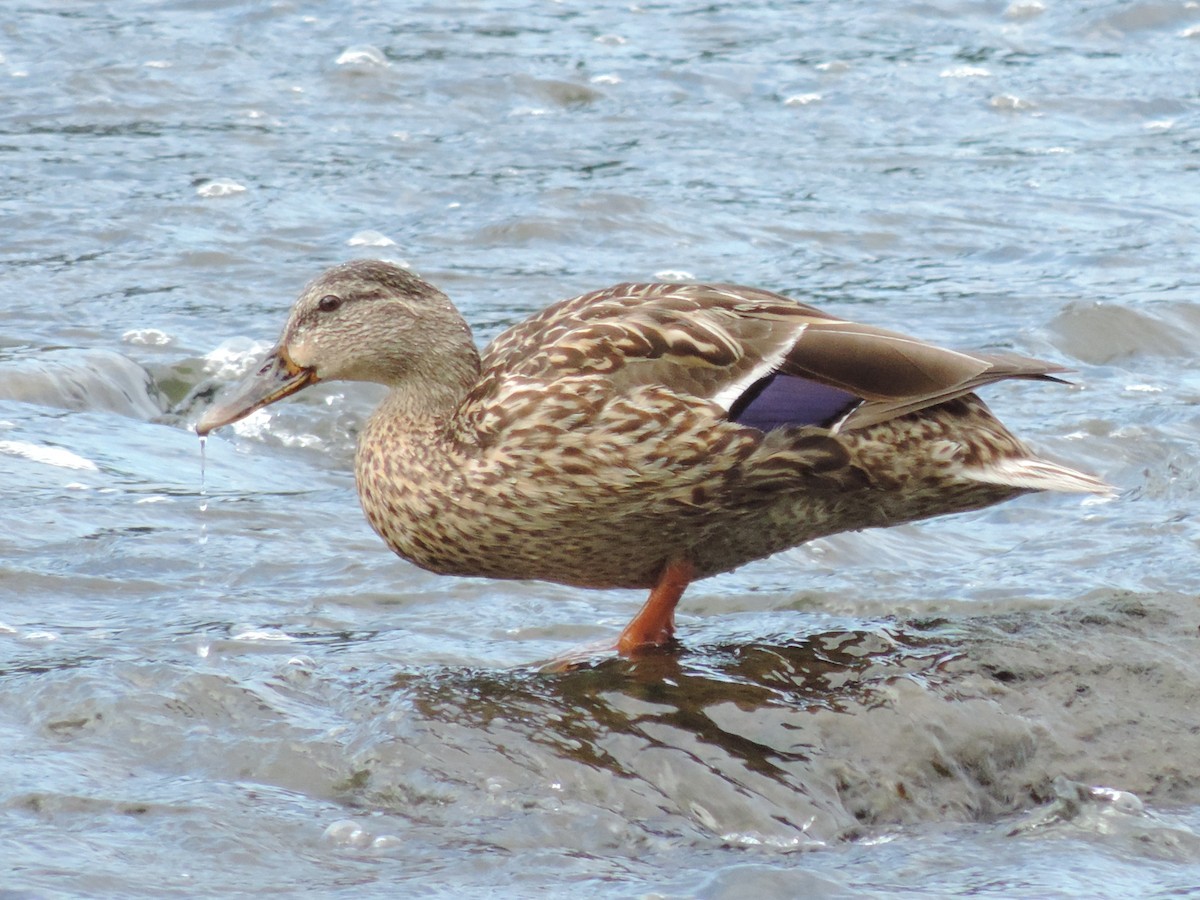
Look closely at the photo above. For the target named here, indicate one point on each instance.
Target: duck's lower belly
(592, 554)
(590, 547)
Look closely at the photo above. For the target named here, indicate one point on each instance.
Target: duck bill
(275, 379)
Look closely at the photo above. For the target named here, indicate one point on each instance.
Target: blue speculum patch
(780, 401)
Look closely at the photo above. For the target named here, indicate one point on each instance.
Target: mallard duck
(646, 435)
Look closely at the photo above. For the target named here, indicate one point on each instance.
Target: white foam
(147, 337)
(1024, 9)
(363, 56)
(220, 187)
(1010, 101)
(350, 834)
(263, 636)
(51, 456)
(965, 72)
(370, 239)
(257, 426)
(234, 357)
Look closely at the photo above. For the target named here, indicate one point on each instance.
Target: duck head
(365, 320)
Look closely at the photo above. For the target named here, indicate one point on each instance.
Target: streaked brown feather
(700, 339)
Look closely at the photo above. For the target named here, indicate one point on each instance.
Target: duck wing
(767, 361)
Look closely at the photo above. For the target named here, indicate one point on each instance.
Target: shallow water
(230, 686)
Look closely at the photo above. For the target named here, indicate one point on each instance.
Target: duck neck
(425, 398)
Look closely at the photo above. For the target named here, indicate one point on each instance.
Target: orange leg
(654, 625)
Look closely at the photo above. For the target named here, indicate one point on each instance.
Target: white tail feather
(1039, 475)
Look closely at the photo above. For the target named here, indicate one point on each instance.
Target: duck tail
(1034, 474)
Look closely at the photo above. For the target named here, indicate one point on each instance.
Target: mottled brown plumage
(644, 435)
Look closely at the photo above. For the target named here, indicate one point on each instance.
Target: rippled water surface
(230, 686)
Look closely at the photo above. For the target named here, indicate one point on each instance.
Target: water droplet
(203, 505)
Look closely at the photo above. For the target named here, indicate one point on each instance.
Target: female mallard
(646, 435)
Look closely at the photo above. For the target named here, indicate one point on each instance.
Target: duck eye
(329, 303)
